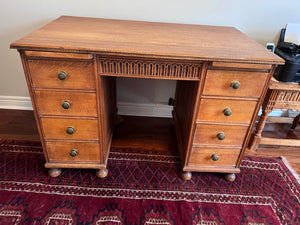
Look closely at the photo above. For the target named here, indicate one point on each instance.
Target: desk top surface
(200, 42)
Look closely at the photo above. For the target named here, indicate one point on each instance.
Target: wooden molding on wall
(15, 102)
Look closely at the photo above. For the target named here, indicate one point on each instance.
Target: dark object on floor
(290, 52)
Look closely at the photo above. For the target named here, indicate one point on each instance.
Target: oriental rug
(143, 187)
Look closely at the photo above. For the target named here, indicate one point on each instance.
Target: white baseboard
(124, 108)
(15, 102)
(144, 109)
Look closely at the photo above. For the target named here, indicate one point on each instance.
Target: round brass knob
(227, 112)
(235, 84)
(62, 75)
(70, 130)
(215, 157)
(73, 152)
(66, 104)
(221, 136)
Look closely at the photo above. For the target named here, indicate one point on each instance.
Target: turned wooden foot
(229, 176)
(54, 172)
(101, 173)
(185, 175)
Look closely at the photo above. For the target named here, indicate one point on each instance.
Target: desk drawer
(218, 83)
(50, 102)
(226, 110)
(214, 156)
(212, 134)
(82, 152)
(70, 128)
(79, 75)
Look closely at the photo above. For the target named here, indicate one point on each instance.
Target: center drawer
(219, 134)
(54, 128)
(76, 104)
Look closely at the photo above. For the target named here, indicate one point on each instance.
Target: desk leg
(256, 137)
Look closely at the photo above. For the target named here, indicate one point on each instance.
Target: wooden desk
(71, 65)
(279, 96)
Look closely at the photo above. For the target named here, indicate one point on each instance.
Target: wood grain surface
(79, 34)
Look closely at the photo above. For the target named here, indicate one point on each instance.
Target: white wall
(259, 19)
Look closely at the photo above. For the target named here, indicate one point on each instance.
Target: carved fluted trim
(136, 68)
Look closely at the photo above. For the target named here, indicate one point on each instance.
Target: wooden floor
(148, 133)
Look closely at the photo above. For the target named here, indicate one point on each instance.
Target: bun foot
(54, 172)
(101, 173)
(186, 175)
(229, 176)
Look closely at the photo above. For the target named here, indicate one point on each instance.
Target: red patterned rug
(143, 187)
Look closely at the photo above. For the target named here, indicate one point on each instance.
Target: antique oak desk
(71, 65)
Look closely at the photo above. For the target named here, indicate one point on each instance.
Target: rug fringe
(288, 165)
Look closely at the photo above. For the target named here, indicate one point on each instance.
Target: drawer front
(207, 156)
(50, 102)
(218, 82)
(226, 110)
(208, 134)
(61, 152)
(70, 128)
(79, 75)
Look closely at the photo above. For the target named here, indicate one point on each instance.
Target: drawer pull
(62, 75)
(227, 112)
(73, 152)
(215, 157)
(235, 84)
(70, 130)
(66, 104)
(221, 136)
